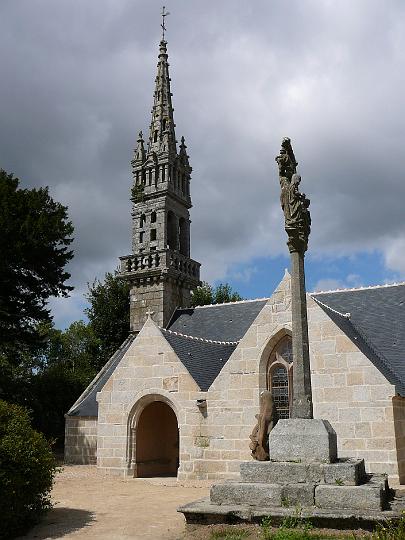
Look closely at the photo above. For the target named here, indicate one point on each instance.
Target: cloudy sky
(77, 79)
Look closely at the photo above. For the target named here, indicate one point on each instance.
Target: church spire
(160, 269)
(162, 137)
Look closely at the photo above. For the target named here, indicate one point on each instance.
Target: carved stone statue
(294, 204)
(266, 420)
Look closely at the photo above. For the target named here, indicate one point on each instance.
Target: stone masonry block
(298, 494)
(365, 497)
(271, 472)
(303, 440)
(246, 493)
(348, 472)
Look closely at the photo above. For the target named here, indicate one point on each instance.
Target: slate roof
(87, 405)
(221, 322)
(203, 360)
(376, 324)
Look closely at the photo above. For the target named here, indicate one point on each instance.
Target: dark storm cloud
(77, 83)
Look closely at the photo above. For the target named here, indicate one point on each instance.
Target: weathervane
(164, 14)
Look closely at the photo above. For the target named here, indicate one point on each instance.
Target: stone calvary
(296, 461)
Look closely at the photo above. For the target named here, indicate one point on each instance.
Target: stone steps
(371, 495)
(203, 512)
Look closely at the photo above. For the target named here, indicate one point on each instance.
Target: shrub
(27, 469)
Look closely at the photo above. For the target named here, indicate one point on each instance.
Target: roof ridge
(228, 303)
(212, 341)
(345, 315)
(381, 286)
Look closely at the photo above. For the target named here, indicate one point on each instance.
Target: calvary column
(300, 438)
(298, 226)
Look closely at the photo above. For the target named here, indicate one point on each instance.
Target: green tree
(109, 314)
(27, 469)
(202, 295)
(224, 293)
(34, 240)
(221, 294)
(68, 364)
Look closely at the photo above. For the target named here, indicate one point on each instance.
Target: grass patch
(390, 531)
(229, 534)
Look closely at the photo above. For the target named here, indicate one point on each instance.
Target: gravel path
(91, 505)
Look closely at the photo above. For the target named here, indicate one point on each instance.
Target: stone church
(179, 397)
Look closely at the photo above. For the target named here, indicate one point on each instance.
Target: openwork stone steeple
(160, 269)
(162, 136)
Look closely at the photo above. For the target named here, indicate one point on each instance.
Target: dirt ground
(91, 505)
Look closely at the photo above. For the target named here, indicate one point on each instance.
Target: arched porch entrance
(156, 441)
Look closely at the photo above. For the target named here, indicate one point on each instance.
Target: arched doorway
(157, 442)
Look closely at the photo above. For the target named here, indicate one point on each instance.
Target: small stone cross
(149, 313)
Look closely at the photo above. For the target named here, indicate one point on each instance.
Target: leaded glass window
(280, 375)
(279, 390)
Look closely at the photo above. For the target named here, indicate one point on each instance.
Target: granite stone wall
(347, 390)
(352, 394)
(81, 440)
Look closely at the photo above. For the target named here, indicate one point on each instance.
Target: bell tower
(160, 270)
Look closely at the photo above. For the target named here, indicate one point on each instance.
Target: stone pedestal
(303, 440)
(303, 472)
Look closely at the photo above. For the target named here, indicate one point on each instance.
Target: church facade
(179, 397)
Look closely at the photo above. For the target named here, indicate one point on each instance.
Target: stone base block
(246, 493)
(345, 472)
(278, 472)
(305, 440)
(350, 472)
(366, 497)
(298, 495)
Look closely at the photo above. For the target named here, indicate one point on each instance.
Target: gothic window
(279, 390)
(141, 235)
(164, 124)
(142, 221)
(155, 136)
(153, 217)
(279, 376)
(153, 235)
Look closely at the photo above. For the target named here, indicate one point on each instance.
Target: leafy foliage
(27, 469)
(68, 365)
(221, 294)
(35, 235)
(108, 314)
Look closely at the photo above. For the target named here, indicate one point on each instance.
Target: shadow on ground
(59, 522)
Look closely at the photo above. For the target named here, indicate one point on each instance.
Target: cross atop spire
(164, 14)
